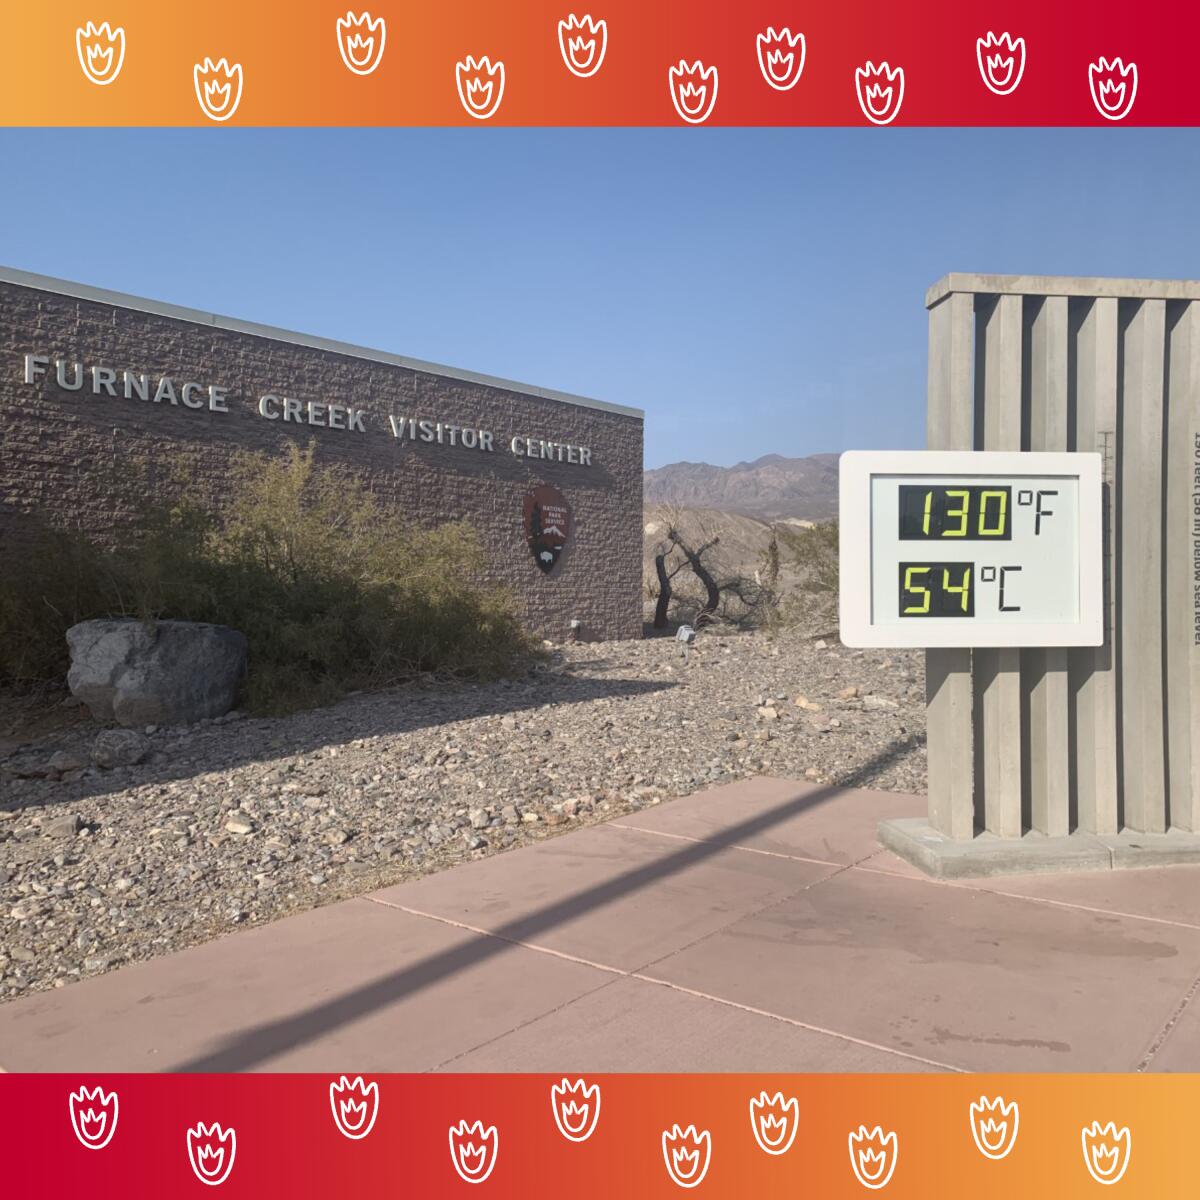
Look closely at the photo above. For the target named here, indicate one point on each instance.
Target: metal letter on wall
(547, 524)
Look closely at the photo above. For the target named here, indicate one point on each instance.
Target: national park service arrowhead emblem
(547, 524)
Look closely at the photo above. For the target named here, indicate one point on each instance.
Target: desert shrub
(55, 579)
(811, 554)
(332, 591)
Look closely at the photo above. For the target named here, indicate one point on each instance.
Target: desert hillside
(771, 488)
(743, 539)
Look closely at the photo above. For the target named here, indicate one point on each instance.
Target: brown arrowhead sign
(547, 524)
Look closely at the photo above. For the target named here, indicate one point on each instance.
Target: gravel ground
(241, 820)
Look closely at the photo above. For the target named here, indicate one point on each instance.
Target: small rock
(336, 837)
(848, 693)
(63, 827)
(530, 818)
(119, 748)
(878, 702)
(67, 760)
(479, 818)
(769, 713)
(821, 645)
(239, 825)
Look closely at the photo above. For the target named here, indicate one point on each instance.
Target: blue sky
(755, 291)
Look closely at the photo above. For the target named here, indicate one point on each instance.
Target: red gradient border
(293, 73)
(288, 1144)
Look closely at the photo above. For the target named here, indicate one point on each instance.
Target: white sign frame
(855, 471)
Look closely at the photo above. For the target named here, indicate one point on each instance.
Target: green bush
(332, 592)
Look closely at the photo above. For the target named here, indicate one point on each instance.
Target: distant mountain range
(771, 488)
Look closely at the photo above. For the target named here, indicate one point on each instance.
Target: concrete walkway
(754, 927)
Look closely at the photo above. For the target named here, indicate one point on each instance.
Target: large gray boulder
(155, 673)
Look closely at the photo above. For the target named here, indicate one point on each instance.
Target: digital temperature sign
(985, 548)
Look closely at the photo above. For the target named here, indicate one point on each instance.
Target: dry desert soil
(242, 820)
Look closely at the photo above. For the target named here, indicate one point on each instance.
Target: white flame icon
(576, 1108)
(473, 1150)
(218, 88)
(873, 1156)
(1106, 1151)
(480, 85)
(1001, 62)
(994, 1126)
(93, 1116)
(774, 1122)
(101, 51)
(582, 42)
(880, 91)
(781, 57)
(1114, 87)
(355, 1105)
(693, 90)
(211, 1151)
(687, 1154)
(360, 41)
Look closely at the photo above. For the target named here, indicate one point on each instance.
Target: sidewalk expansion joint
(1160, 1038)
(533, 1020)
(859, 865)
(656, 982)
(1073, 905)
(683, 837)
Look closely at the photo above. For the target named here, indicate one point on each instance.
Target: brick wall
(77, 459)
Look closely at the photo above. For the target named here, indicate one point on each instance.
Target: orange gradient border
(294, 75)
(289, 1146)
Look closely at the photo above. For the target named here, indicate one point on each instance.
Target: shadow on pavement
(247, 1049)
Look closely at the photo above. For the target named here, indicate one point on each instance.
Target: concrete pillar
(1093, 672)
(1096, 751)
(1044, 672)
(948, 693)
(998, 337)
(1139, 546)
(1182, 538)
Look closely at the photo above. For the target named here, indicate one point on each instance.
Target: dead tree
(679, 551)
(664, 587)
(695, 559)
(666, 571)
